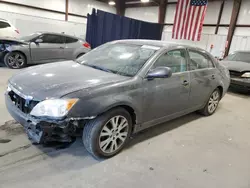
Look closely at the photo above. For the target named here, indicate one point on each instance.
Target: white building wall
(227, 11)
(241, 39)
(170, 13)
(58, 5)
(212, 13)
(83, 7)
(29, 20)
(148, 14)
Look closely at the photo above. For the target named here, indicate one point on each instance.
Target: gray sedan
(238, 64)
(116, 90)
(40, 48)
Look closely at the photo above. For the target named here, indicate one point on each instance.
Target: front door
(202, 77)
(50, 49)
(167, 96)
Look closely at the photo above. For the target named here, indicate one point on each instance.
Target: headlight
(246, 75)
(8, 88)
(56, 108)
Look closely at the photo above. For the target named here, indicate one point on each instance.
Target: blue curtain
(103, 27)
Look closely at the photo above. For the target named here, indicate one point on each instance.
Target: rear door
(50, 49)
(71, 44)
(202, 77)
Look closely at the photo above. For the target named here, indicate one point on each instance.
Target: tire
(99, 135)
(80, 55)
(213, 101)
(15, 60)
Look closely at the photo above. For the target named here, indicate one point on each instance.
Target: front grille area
(24, 105)
(235, 74)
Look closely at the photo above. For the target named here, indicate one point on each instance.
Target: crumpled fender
(10, 45)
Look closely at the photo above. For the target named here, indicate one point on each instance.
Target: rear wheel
(212, 103)
(80, 55)
(15, 60)
(107, 135)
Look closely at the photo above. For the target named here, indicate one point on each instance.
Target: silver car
(118, 89)
(44, 48)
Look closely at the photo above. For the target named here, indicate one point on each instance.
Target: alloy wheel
(15, 60)
(213, 101)
(113, 134)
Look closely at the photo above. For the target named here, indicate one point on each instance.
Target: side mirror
(160, 72)
(38, 40)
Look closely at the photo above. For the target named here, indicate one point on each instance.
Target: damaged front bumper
(242, 84)
(44, 130)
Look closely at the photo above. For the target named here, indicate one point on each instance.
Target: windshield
(119, 58)
(239, 56)
(29, 37)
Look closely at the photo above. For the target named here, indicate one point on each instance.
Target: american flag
(189, 18)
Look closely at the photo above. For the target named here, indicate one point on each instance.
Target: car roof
(158, 43)
(62, 34)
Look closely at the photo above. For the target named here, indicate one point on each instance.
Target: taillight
(87, 45)
(17, 31)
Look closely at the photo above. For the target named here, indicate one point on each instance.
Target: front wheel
(106, 135)
(212, 103)
(15, 60)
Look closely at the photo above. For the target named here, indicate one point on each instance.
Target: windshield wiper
(99, 68)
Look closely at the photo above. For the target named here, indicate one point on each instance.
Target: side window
(174, 59)
(52, 39)
(199, 60)
(4, 25)
(70, 40)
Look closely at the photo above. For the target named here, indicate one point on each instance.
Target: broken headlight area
(6, 43)
(44, 121)
(54, 108)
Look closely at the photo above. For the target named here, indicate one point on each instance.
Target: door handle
(213, 76)
(185, 83)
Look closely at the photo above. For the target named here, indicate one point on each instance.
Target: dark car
(43, 47)
(238, 64)
(113, 91)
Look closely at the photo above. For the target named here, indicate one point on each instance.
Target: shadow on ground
(76, 148)
(237, 92)
(2, 65)
(162, 128)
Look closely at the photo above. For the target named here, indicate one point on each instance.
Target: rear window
(52, 39)
(70, 40)
(4, 25)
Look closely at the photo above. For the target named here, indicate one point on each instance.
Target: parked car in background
(8, 30)
(238, 64)
(44, 47)
(117, 89)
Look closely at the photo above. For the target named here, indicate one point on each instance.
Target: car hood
(58, 79)
(236, 65)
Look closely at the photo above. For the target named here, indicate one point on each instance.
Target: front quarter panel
(95, 101)
(24, 48)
